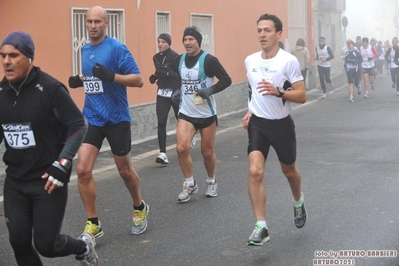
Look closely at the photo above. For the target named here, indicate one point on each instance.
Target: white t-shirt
(284, 66)
(323, 53)
(366, 54)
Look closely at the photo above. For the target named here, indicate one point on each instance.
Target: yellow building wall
(49, 23)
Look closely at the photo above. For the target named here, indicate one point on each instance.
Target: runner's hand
(101, 72)
(176, 97)
(153, 78)
(205, 92)
(75, 82)
(56, 176)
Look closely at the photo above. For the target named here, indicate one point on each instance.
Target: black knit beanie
(21, 41)
(166, 38)
(195, 32)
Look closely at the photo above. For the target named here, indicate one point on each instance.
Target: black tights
(162, 108)
(28, 206)
(395, 76)
(324, 74)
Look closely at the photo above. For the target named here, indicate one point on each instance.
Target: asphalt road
(348, 154)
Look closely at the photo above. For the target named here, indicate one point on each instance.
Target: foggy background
(372, 19)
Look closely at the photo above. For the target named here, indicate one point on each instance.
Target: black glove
(153, 78)
(58, 173)
(75, 82)
(176, 97)
(205, 92)
(101, 72)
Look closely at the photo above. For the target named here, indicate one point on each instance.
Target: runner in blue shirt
(108, 68)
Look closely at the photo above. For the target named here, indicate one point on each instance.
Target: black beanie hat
(21, 41)
(195, 32)
(166, 38)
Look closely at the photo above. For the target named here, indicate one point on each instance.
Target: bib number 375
(19, 136)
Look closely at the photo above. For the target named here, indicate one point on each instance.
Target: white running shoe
(366, 95)
(324, 96)
(212, 190)
(89, 258)
(188, 190)
(351, 99)
(162, 158)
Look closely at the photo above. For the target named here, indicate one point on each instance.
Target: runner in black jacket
(43, 129)
(168, 82)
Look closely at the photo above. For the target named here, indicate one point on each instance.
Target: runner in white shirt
(275, 81)
(197, 70)
(369, 54)
(324, 55)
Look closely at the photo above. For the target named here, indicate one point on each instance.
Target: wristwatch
(65, 163)
(280, 92)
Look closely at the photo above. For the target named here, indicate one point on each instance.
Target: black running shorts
(199, 123)
(118, 137)
(280, 134)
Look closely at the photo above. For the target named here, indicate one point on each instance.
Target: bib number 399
(93, 86)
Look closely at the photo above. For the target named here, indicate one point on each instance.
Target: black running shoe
(259, 236)
(300, 216)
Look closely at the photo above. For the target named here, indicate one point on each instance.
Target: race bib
(167, 93)
(19, 136)
(191, 86)
(197, 99)
(93, 85)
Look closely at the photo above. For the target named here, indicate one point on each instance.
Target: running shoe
(393, 85)
(259, 236)
(140, 220)
(351, 99)
(188, 190)
(162, 158)
(366, 95)
(397, 93)
(324, 96)
(359, 89)
(300, 215)
(93, 229)
(89, 258)
(212, 190)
